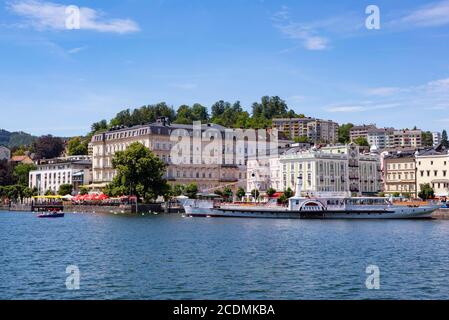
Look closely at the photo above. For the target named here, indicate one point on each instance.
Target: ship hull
(394, 213)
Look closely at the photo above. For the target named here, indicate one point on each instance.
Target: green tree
(113, 190)
(49, 193)
(47, 147)
(283, 199)
(344, 131)
(77, 146)
(227, 193)
(65, 189)
(178, 190)
(240, 192)
(140, 171)
(191, 190)
(22, 172)
(99, 126)
(361, 141)
(271, 192)
(427, 139)
(255, 193)
(288, 193)
(6, 173)
(444, 140)
(270, 107)
(426, 192)
(84, 191)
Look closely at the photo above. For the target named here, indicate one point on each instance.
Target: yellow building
(433, 168)
(400, 173)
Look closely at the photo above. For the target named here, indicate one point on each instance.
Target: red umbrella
(102, 197)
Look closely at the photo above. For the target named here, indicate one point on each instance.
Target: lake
(171, 257)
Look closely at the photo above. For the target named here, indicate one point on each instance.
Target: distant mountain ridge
(15, 139)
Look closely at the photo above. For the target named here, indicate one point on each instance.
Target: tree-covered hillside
(15, 139)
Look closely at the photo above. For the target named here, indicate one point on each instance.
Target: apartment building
(407, 138)
(332, 169)
(361, 131)
(381, 138)
(400, 173)
(436, 137)
(52, 173)
(316, 130)
(384, 138)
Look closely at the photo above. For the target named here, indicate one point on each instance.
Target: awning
(440, 181)
(96, 185)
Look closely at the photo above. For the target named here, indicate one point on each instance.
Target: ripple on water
(168, 257)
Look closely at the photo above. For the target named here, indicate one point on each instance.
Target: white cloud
(383, 91)
(48, 15)
(76, 50)
(298, 31)
(432, 15)
(346, 109)
(432, 96)
(363, 107)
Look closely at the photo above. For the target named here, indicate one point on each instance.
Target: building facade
(315, 130)
(385, 138)
(52, 173)
(5, 153)
(381, 138)
(432, 167)
(400, 174)
(332, 169)
(436, 137)
(361, 131)
(211, 155)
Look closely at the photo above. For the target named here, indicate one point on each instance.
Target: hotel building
(52, 173)
(211, 156)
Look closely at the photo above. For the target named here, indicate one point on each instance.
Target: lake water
(170, 257)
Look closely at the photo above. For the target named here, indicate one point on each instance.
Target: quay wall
(98, 209)
(442, 214)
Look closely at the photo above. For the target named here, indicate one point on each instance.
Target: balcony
(228, 180)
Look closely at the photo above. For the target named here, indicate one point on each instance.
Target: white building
(381, 138)
(332, 169)
(436, 138)
(52, 173)
(5, 153)
(266, 172)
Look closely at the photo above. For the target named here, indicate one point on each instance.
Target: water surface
(170, 257)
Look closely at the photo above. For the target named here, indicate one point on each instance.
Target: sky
(319, 56)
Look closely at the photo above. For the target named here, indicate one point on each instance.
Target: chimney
(298, 187)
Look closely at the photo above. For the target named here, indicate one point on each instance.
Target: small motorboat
(51, 214)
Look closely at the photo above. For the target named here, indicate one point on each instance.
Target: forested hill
(15, 139)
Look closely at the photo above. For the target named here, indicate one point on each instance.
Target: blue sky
(317, 55)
